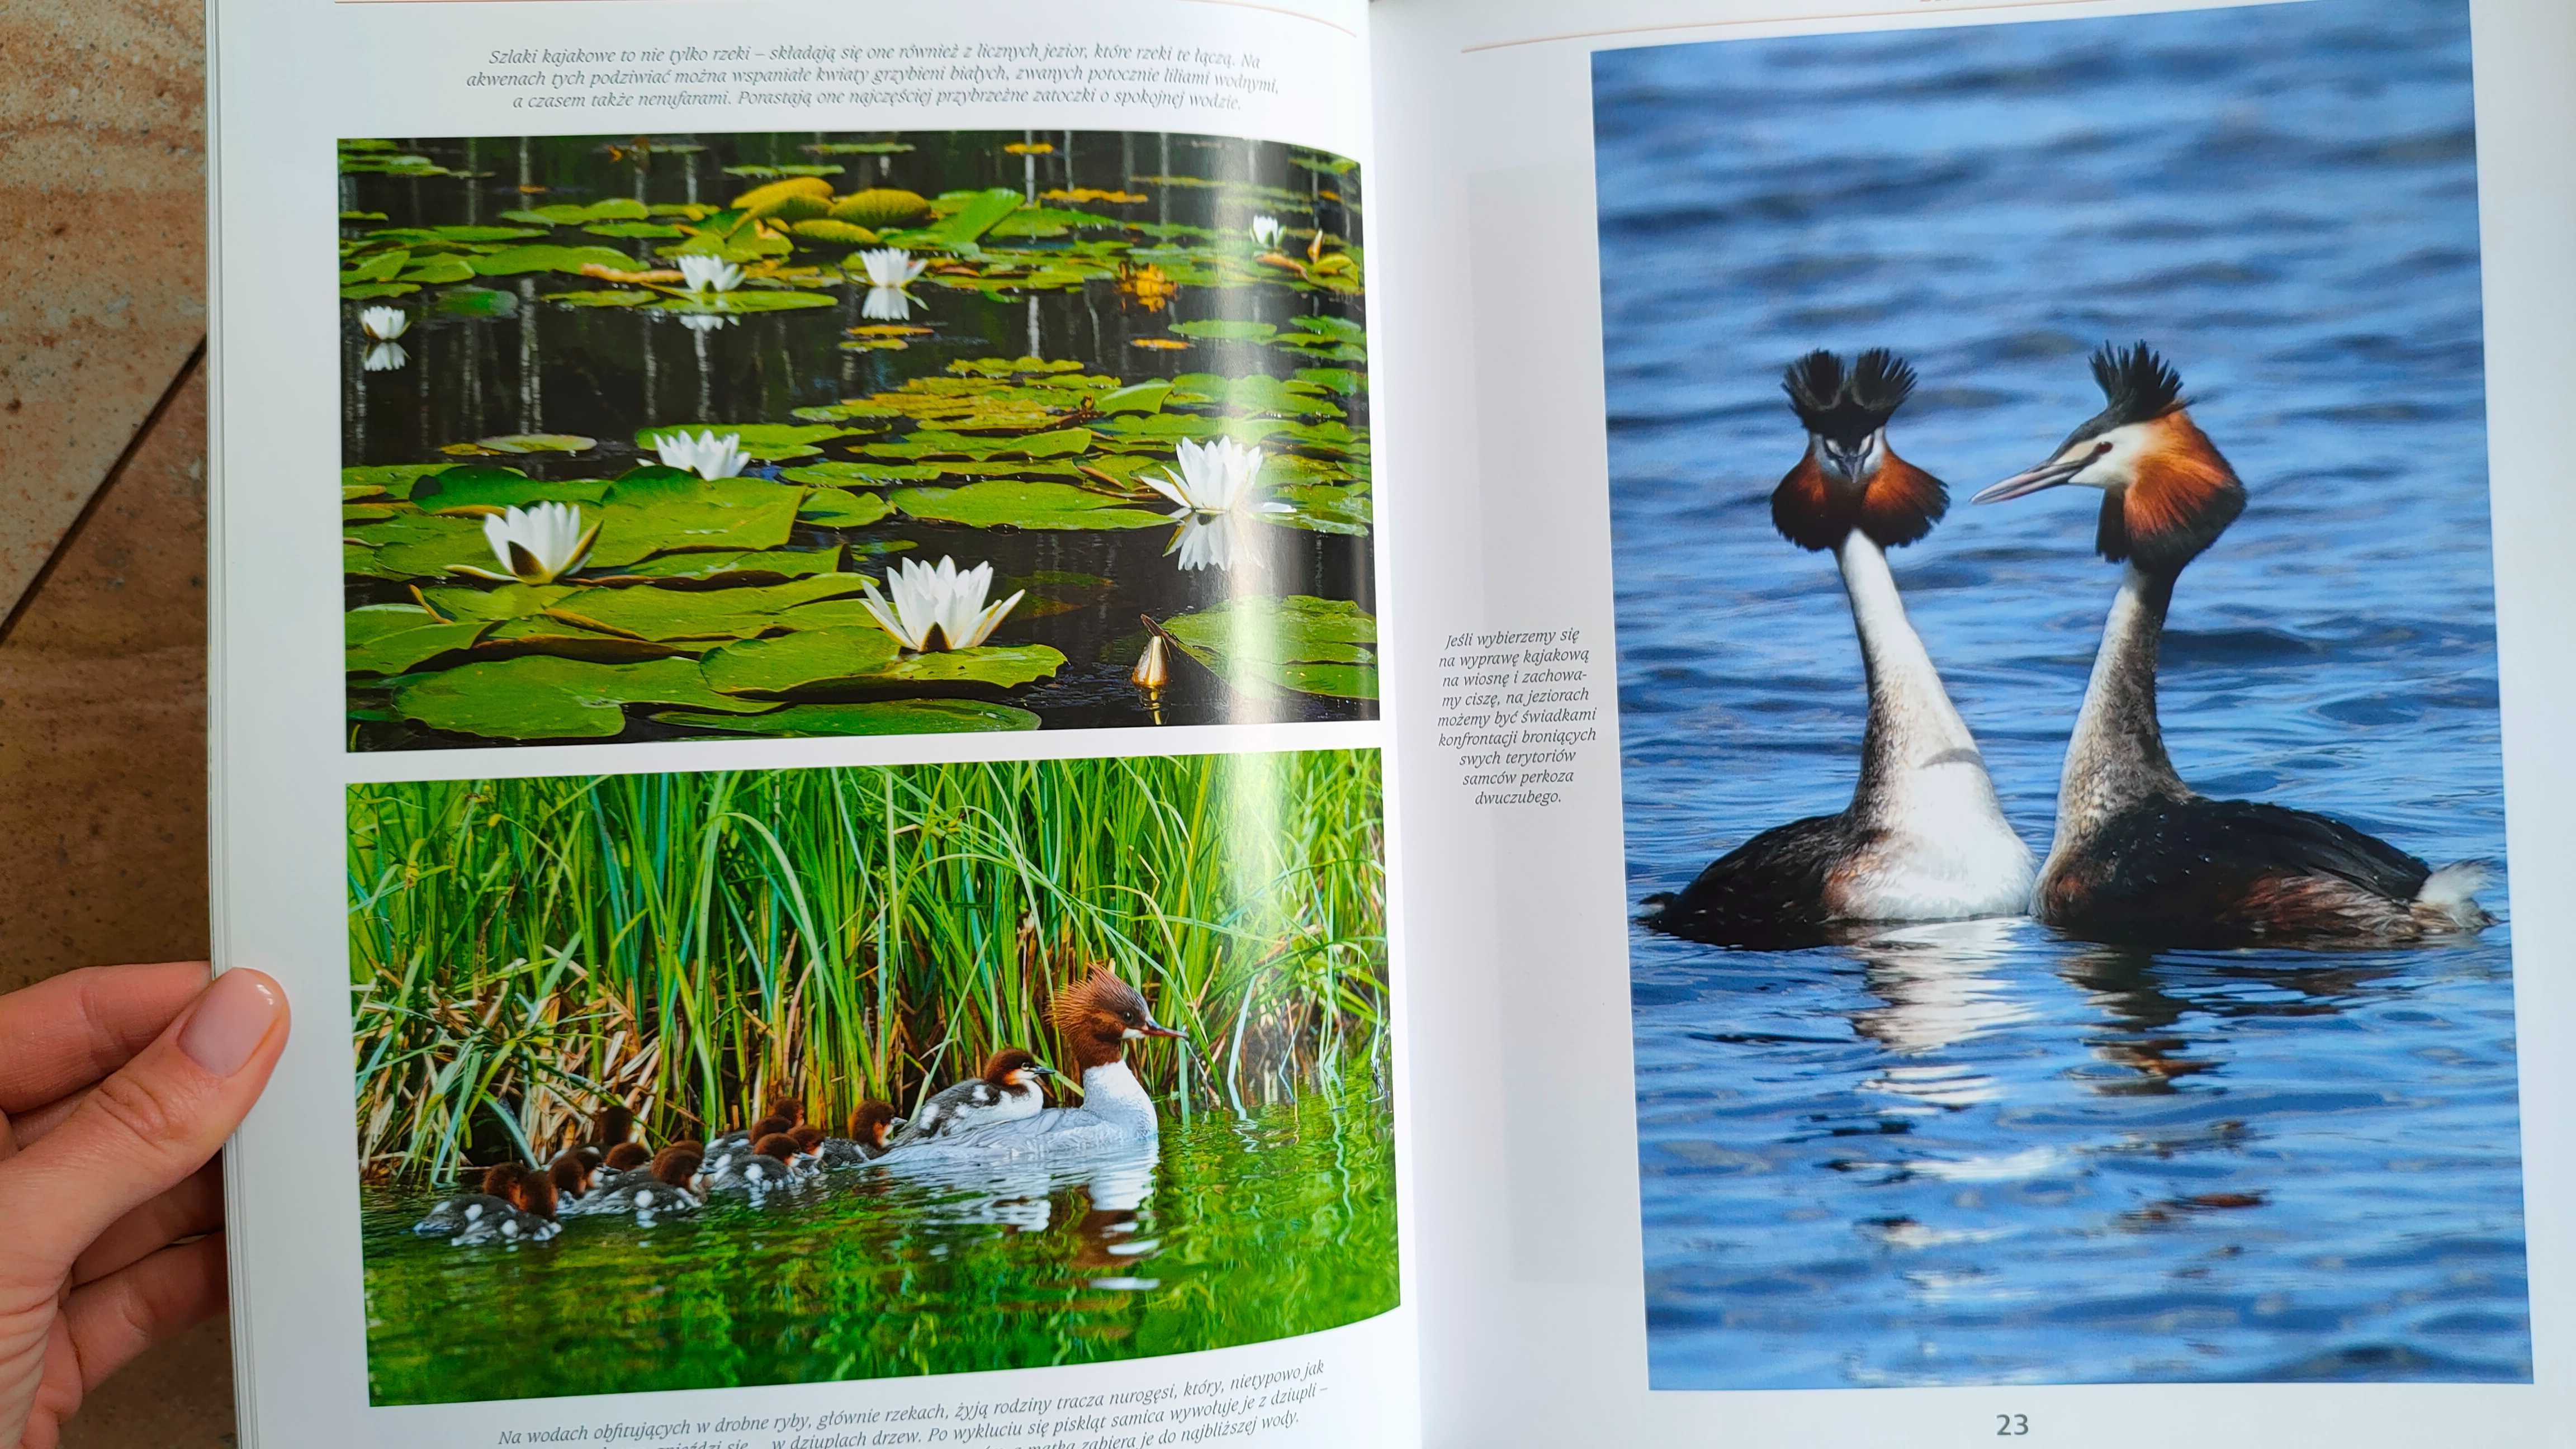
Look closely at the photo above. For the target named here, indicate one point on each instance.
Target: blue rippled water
(1982, 1153)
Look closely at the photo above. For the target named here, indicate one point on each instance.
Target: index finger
(74, 1029)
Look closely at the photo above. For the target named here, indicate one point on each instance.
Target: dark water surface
(1982, 1153)
(1239, 1230)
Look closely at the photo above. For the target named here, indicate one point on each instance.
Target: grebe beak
(2022, 485)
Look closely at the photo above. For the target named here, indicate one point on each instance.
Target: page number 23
(2011, 1426)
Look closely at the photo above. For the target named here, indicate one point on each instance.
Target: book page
(1986, 770)
(819, 789)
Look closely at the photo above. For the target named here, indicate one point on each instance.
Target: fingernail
(230, 1021)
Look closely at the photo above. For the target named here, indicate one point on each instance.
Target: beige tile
(102, 217)
(103, 725)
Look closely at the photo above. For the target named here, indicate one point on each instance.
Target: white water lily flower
(535, 545)
(1213, 489)
(384, 324)
(709, 274)
(384, 357)
(1267, 231)
(886, 304)
(936, 608)
(892, 267)
(705, 321)
(706, 455)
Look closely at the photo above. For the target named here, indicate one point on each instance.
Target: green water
(1238, 1231)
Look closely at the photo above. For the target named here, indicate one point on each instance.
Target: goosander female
(1098, 1017)
(868, 1128)
(1006, 1092)
(1924, 838)
(625, 1157)
(2139, 857)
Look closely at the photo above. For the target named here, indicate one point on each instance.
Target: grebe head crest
(1850, 478)
(2167, 492)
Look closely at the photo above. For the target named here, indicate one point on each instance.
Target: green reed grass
(525, 951)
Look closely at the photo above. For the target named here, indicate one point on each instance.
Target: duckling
(528, 1216)
(466, 1209)
(868, 1128)
(1006, 1092)
(770, 1164)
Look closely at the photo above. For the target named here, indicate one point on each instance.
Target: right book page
(1986, 786)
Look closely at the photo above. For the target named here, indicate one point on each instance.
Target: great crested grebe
(2138, 856)
(1924, 838)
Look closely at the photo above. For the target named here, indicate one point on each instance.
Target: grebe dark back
(1924, 838)
(2138, 856)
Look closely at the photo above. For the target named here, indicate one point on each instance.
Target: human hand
(117, 1087)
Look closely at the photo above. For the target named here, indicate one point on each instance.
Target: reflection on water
(1984, 1153)
(1233, 1230)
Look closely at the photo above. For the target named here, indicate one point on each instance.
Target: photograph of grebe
(2046, 969)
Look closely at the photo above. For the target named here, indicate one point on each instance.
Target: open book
(1163, 722)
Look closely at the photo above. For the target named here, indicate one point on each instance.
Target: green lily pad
(474, 302)
(960, 229)
(1341, 380)
(824, 231)
(428, 548)
(840, 508)
(741, 302)
(615, 208)
(390, 479)
(1324, 508)
(531, 443)
(605, 297)
(861, 656)
(496, 605)
(473, 486)
(536, 697)
(766, 567)
(548, 257)
(1262, 645)
(370, 291)
(661, 510)
(438, 271)
(765, 442)
(940, 443)
(837, 473)
(866, 717)
(395, 638)
(636, 230)
(665, 615)
(1226, 329)
(1003, 503)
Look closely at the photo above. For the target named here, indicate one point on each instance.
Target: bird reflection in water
(1939, 984)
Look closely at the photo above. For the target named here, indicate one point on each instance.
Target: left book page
(818, 788)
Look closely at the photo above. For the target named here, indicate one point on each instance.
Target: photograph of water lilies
(730, 436)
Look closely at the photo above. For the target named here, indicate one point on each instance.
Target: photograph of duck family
(786, 435)
(2059, 703)
(680, 1081)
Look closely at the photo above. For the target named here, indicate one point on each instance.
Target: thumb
(148, 1126)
